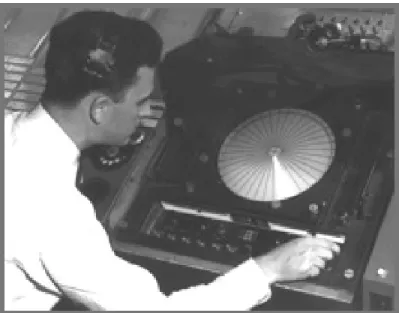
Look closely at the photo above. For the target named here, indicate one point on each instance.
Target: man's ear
(99, 108)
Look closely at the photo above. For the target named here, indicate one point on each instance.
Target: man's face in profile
(122, 119)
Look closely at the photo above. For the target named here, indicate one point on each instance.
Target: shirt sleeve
(78, 258)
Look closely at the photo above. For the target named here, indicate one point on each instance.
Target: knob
(231, 248)
(222, 230)
(217, 246)
(204, 158)
(158, 234)
(382, 273)
(349, 273)
(344, 219)
(314, 208)
(177, 121)
(186, 240)
(200, 243)
(190, 187)
(171, 237)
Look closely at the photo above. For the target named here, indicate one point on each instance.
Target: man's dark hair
(97, 51)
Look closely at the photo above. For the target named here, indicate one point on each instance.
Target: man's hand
(297, 259)
(150, 112)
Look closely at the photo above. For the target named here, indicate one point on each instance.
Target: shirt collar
(39, 130)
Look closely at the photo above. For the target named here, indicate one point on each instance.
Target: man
(99, 73)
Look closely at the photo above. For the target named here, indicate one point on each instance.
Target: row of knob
(199, 242)
(345, 20)
(378, 28)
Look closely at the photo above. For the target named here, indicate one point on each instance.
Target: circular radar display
(276, 155)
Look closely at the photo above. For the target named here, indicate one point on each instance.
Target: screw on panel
(346, 132)
(314, 208)
(190, 187)
(276, 204)
(358, 104)
(349, 273)
(382, 273)
(204, 158)
(178, 121)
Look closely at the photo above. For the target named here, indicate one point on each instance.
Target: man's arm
(78, 257)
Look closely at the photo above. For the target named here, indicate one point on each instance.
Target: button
(174, 222)
(276, 204)
(171, 237)
(349, 273)
(204, 227)
(177, 121)
(186, 240)
(190, 187)
(204, 158)
(222, 230)
(157, 233)
(261, 223)
(250, 235)
(217, 246)
(248, 247)
(314, 208)
(382, 273)
(346, 132)
(231, 248)
(200, 243)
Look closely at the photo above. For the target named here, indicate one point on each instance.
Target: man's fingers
(149, 123)
(314, 271)
(152, 108)
(319, 263)
(149, 111)
(324, 243)
(323, 253)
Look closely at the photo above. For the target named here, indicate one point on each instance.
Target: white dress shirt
(54, 244)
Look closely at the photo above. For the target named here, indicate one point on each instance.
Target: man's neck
(72, 123)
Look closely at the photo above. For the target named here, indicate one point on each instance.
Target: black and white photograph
(199, 157)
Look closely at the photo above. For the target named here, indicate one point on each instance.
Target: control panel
(367, 29)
